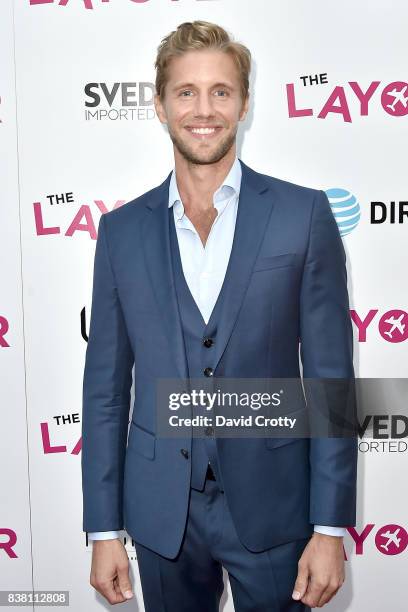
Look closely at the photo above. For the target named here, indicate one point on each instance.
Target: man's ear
(244, 109)
(161, 113)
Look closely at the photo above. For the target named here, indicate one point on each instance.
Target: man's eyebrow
(192, 85)
(223, 84)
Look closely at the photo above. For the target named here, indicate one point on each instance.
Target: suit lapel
(254, 210)
(156, 244)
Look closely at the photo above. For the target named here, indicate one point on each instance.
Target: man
(218, 271)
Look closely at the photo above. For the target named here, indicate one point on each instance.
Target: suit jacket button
(184, 452)
(208, 342)
(208, 371)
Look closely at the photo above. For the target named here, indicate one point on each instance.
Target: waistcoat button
(208, 371)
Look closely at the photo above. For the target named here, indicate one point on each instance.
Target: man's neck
(198, 182)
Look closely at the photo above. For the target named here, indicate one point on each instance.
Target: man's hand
(110, 570)
(320, 570)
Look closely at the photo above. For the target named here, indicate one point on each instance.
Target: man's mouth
(203, 132)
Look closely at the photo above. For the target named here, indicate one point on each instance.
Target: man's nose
(204, 105)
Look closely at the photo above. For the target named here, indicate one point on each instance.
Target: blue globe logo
(345, 208)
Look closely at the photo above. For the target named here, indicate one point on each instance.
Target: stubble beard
(206, 157)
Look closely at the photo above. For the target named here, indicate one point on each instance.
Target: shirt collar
(230, 185)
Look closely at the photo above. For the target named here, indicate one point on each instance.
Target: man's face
(202, 105)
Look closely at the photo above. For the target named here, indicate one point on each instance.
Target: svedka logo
(381, 433)
(90, 4)
(345, 208)
(393, 98)
(129, 101)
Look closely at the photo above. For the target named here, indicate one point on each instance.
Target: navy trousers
(193, 581)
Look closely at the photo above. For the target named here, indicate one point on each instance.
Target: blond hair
(198, 35)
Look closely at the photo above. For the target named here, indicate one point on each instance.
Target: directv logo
(345, 208)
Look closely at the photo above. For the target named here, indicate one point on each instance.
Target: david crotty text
(222, 421)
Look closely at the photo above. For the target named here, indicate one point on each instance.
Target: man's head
(202, 83)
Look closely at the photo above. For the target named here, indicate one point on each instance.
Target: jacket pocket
(141, 441)
(272, 443)
(275, 261)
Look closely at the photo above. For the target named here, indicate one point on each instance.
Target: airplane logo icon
(395, 324)
(391, 538)
(394, 98)
(399, 96)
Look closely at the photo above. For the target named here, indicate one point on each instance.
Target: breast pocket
(282, 260)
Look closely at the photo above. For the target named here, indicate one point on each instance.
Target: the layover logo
(4, 327)
(59, 443)
(390, 539)
(119, 101)
(391, 97)
(47, 215)
(91, 4)
(8, 540)
(392, 325)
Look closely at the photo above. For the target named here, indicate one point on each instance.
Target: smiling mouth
(206, 132)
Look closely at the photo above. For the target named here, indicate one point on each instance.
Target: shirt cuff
(103, 535)
(330, 530)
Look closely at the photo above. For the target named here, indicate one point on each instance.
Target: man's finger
(124, 582)
(301, 582)
(117, 589)
(314, 592)
(328, 593)
(108, 591)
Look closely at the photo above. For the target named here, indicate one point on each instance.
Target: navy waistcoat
(199, 357)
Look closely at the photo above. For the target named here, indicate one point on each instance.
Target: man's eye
(222, 91)
(187, 91)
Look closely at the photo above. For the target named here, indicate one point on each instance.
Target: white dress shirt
(204, 268)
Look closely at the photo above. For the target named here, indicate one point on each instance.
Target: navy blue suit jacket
(286, 281)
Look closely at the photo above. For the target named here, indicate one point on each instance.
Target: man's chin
(201, 160)
(204, 157)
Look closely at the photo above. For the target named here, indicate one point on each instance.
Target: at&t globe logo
(345, 208)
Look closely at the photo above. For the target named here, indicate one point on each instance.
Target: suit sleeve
(107, 380)
(326, 350)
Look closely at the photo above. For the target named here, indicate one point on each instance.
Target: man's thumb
(124, 583)
(301, 584)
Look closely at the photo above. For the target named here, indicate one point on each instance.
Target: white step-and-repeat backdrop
(79, 136)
